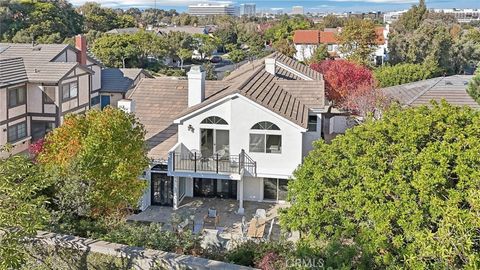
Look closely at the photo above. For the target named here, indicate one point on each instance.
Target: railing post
(195, 162)
(173, 161)
(217, 162)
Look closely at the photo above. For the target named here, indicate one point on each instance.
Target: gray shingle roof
(451, 88)
(120, 80)
(37, 60)
(160, 101)
(12, 71)
(128, 30)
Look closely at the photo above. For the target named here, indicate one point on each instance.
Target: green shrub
(473, 88)
(404, 73)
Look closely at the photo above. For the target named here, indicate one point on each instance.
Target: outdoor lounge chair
(211, 219)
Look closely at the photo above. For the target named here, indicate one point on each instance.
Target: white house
(239, 138)
(307, 41)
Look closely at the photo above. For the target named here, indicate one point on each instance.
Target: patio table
(256, 228)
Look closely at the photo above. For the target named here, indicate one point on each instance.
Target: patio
(229, 224)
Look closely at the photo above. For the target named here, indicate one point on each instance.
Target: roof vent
(37, 48)
(448, 83)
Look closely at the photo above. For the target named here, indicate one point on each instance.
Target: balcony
(184, 160)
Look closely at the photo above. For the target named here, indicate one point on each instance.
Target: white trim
(289, 69)
(233, 96)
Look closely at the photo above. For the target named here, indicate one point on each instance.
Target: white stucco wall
(304, 51)
(252, 188)
(3, 104)
(34, 98)
(96, 78)
(242, 114)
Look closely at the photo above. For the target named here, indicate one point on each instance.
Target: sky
(286, 5)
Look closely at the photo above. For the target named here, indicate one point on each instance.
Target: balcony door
(214, 141)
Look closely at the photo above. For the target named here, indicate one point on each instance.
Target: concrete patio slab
(196, 208)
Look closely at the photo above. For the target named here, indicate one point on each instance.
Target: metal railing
(195, 162)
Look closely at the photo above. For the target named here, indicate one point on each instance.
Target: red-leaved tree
(343, 79)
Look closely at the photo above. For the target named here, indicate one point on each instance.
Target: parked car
(216, 59)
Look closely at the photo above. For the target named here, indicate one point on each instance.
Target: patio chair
(211, 219)
(182, 225)
(261, 213)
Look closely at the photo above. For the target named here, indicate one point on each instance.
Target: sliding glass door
(275, 189)
(214, 141)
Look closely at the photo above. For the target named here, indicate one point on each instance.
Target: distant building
(307, 41)
(212, 9)
(390, 17)
(297, 10)
(248, 10)
(462, 15)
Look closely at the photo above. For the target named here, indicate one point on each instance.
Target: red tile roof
(328, 37)
(306, 37)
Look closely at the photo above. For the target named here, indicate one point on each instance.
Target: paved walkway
(197, 208)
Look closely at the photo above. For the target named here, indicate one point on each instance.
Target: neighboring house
(39, 85)
(453, 89)
(307, 41)
(116, 82)
(239, 138)
(129, 30)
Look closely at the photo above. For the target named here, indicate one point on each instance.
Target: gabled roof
(160, 101)
(120, 80)
(128, 30)
(329, 36)
(38, 59)
(306, 37)
(451, 88)
(12, 71)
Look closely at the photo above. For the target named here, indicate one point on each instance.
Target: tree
(285, 47)
(205, 44)
(128, 50)
(397, 193)
(96, 159)
(41, 21)
(343, 78)
(320, 54)
(22, 208)
(184, 54)
(332, 21)
(404, 73)
(115, 50)
(236, 56)
(473, 87)
(411, 20)
(357, 40)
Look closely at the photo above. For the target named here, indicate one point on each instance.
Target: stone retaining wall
(140, 257)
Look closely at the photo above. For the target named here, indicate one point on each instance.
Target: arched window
(214, 120)
(265, 137)
(265, 125)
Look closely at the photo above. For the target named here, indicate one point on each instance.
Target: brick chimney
(81, 45)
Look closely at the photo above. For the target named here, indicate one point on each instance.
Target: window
(49, 95)
(214, 120)
(69, 90)
(17, 132)
(265, 126)
(265, 142)
(312, 123)
(329, 47)
(95, 100)
(17, 97)
(275, 189)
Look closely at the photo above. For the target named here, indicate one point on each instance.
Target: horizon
(324, 6)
